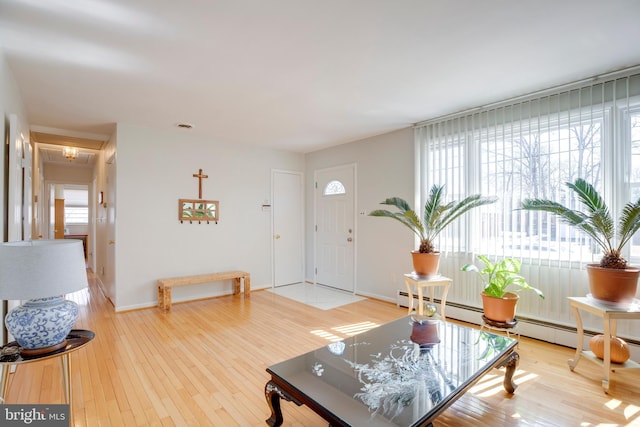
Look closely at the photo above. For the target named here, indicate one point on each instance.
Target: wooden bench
(165, 285)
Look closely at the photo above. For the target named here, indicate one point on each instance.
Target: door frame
(354, 171)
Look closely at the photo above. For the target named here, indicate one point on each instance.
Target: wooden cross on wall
(200, 177)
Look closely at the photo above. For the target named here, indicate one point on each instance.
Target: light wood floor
(204, 364)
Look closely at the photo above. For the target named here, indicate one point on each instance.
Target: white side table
(430, 282)
(610, 316)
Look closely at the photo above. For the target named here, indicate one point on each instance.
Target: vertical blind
(529, 148)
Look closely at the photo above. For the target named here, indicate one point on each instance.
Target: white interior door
(335, 231)
(108, 273)
(288, 227)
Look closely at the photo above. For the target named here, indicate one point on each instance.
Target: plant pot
(500, 309)
(425, 264)
(425, 333)
(613, 285)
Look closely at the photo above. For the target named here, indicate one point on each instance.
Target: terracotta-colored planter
(425, 264)
(613, 285)
(425, 333)
(500, 309)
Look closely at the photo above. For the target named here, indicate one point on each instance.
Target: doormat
(317, 296)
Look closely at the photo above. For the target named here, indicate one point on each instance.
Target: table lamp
(41, 271)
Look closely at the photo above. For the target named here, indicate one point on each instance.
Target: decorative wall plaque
(198, 209)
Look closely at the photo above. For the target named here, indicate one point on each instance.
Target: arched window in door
(334, 188)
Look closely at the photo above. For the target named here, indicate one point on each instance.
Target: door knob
(112, 242)
(349, 239)
(276, 236)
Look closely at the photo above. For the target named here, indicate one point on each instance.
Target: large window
(76, 205)
(530, 148)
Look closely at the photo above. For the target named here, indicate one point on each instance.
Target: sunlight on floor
(631, 411)
(348, 330)
(491, 384)
(356, 328)
(612, 404)
(326, 335)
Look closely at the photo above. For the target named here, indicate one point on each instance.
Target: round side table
(10, 355)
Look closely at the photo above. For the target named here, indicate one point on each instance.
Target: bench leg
(236, 285)
(247, 286)
(167, 299)
(160, 297)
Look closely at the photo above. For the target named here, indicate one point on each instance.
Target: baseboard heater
(402, 300)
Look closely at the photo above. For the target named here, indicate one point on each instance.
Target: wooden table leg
(272, 394)
(4, 381)
(510, 363)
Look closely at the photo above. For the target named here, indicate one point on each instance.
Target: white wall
(385, 168)
(155, 169)
(62, 174)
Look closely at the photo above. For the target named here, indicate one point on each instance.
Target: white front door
(335, 231)
(288, 229)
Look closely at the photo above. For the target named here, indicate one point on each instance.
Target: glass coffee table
(398, 374)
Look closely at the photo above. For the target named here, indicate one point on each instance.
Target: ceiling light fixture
(70, 152)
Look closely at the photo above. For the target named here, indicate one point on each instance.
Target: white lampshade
(41, 269)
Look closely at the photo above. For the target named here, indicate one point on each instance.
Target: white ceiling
(299, 74)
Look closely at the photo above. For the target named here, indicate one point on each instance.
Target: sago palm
(596, 220)
(436, 215)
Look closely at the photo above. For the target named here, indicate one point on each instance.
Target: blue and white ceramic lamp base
(42, 325)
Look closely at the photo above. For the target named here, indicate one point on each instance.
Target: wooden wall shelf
(198, 210)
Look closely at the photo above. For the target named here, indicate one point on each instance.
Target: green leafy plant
(595, 221)
(501, 277)
(437, 215)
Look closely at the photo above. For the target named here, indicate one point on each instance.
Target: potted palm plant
(437, 215)
(501, 285)
(612, 280)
